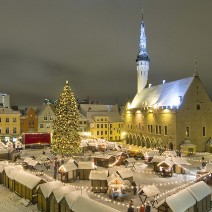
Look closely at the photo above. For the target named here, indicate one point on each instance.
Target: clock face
(92, 125)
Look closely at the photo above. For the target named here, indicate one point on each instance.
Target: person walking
(131, 206)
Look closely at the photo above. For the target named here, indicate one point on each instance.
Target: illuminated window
(187, 132)
(204, 131)
(50, 118)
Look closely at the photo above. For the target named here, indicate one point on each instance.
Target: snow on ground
(142, 176)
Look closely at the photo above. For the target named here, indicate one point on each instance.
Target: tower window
(198, 106)
(187, 131)
(204, 131)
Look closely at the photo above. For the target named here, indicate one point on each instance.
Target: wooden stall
(3, 164)
(179, 163)
(26, 184)
(84, 169)
(86, 204)
(181, 201)
(57, 195)
(4, 154)
(187, 148)
(43, 192)
(126, 174)
(148, 155)
(155, 161)
(148, 193)
(68, 172)
(69, 199)
(104, 160)
(120, 157)
(166, 168)
(99, 181)
(202, 194)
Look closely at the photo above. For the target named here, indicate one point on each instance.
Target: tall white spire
(142, 60)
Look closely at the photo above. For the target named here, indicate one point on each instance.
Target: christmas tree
(66, 140)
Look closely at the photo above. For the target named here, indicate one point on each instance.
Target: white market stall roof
(149, 191)
(8, 169)
(98, 175)
(86, 165)
(125, 173)
(84, 204)
(72, 196)
(47, 188)
(180, 161)
(157, 159)
(103, 156)
(170, 153)
(30, 161)
(200, 190)
(115, 179)
(181, 201)
(60, 192)
(68, 167)
(2, 165)
(167, 161)
(27, 179)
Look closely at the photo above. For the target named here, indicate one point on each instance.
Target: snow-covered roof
(2, 165)
(85, 204)
(8, 169)
(151, 153)
(98, 175)
(47, 188)
(60, 192)
(103, 156)
(97, 108)
(180, 201)
(187, 143)
(30, 161)
(86, 165)
(27, 179)
(125, 173)
(167, 94)
(72, 196)
(200, 190)
(114, 179)
(170, 153)
(149, 191)
(180, 161)
(158, 159)
(167, 161)
(68, 167)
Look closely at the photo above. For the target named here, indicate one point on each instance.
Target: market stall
(84, 169)
(68, 172)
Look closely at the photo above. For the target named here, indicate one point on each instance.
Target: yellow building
(176, 115)
(9, 124)
(104, 121)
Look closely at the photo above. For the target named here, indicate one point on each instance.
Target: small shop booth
(180, 201)
(84, 169)
(69, 199)
(126, 174)
(148, 193)
(179, 164)
(43, 192)
(166, 168)
(98, 180)
(68, 172)
(104, 160)
(57, 195)
(3, 164)
(187, 148)
(26, 184)
(150, 154)
(89, 205)
(202, 194)
(156, 160)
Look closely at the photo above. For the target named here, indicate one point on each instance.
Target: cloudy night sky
(94, 44)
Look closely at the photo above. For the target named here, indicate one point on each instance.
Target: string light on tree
(66, 140)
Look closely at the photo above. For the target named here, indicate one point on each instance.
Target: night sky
(94, 44)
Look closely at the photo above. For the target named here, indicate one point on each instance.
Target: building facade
(172, 114)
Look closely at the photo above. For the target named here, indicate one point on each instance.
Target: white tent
(47, 188)
(84, 204)
(61, 191)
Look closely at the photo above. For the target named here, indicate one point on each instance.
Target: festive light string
(123, 204)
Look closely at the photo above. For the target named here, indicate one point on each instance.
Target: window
(14, 130)
(148, 127)
(97, 125)
(45, 118)
(187, 132)
(105, 125)
(112, 125)
(204, 131)
(105, 132)
(97, 132)
(7, 120)
(0, 130)
(80, 122)
(41, 125)
(142, 128)
(48, 126)
(156, 129)
(7, 131)
(0, 119)
(159, 129)
(14, 120)
(31, 123)
(50, 118)
(151, 129)
(165, 130)
(139, 126)
(84, 122)
(102, 119)
(102, 126)
(111, 132)
(101, 132)
(198, 106)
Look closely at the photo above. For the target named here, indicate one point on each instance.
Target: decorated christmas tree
(66, 140)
